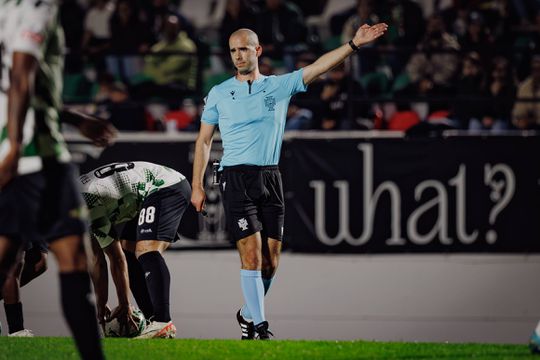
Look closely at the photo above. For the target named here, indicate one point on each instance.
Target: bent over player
(142, 203)
(250, 109)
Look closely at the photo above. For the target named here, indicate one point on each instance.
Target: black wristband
(353, 46)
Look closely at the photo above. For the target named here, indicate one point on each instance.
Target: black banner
(455, 194)
(374, 194)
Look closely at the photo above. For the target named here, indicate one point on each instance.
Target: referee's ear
(259, 50)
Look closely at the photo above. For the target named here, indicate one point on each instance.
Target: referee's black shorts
(253, 201)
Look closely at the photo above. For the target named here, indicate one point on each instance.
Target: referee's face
(243, 54)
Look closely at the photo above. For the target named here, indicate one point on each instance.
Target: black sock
(14, 316)
(137, 284)
(158, 280)
(80, 313)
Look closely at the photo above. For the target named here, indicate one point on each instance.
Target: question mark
(500, 200)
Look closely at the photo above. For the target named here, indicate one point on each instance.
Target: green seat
(401, 82)
(76, 88)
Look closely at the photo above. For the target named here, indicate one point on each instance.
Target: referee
(250, 110)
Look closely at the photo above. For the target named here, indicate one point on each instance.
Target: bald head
(246, 35)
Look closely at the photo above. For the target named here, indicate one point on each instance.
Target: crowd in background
(146, 64)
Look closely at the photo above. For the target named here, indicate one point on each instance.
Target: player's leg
(137, 282)
(12, 300)
(240, 188)
(160, 217)
(250, 251)
(271, 249)
(35, 263)
(65, 228)
(271, 214)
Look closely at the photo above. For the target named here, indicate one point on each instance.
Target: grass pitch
(186, 349)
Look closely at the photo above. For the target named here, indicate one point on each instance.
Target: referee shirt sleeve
(293, 82)
(210, 113)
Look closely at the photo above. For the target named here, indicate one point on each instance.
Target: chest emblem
(270, 102)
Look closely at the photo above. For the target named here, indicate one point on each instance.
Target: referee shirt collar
(256, 81)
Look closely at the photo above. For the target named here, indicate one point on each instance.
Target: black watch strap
(353, 46)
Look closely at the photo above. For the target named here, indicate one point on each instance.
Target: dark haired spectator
(500, 93)
(237, 16)
(281, 30)
(477, 37)
(129, 36)
(468, 102)
(338, 88)
(365, 13)
(71, 14)
(97, 33)
(157, 12)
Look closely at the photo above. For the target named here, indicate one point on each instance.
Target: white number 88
(147, 215)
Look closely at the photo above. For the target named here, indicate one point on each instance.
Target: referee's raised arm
(203, 145)
(364, 35)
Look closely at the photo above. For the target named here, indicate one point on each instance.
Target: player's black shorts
(47, 203)
(160, 215)
(253, 201)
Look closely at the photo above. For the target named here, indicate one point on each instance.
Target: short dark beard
(245, 72)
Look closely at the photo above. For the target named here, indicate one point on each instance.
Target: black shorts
(43, 206)
(253, 201)
(160, 215)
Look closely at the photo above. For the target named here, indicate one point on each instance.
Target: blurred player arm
(101, 132)
(364, 35)
(100, 278)
(23, 75)
(203, 144)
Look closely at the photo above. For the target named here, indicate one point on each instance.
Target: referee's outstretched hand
(366, 34)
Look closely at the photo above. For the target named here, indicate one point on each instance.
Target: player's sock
(80, 313)
(137, 284)
(253, 290)
(245, 311)
(14, 316)
(158, 280)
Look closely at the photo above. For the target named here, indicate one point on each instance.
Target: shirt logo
(232, 93)
(243, 224)
(270, 102)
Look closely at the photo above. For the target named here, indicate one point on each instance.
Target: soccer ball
(112, 327)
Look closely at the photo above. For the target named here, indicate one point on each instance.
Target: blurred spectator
(435, 67)
(97, 34)
(157, 12)
(468, 104)
(169, 74)
(114, 103)
(281, 30)
(407, 26)
(367, 59)
(71, 14)
(500, 93)
(526, 114)
(337, 90)
(477, 37)
(129, 36)
(237, 16)
(298, 118)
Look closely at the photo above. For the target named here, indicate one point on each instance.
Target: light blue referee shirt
(251, 117)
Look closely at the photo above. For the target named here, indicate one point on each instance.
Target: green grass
(185, 349)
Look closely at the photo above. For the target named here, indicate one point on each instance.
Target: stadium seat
(77, 89)
(375, 83)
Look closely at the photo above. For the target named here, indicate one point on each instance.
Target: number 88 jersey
(115, 192)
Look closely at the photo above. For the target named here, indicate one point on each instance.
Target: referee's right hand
(198, 196)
